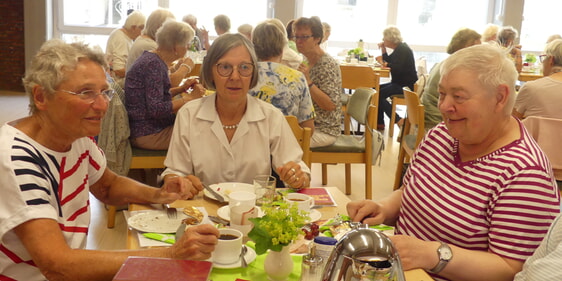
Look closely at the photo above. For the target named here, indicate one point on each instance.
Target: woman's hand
(174, 188)
(292, 174)
(416, 253)
(305, 69)
(366, 211)
(197, 243)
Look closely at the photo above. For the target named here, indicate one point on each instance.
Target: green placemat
(254, 271)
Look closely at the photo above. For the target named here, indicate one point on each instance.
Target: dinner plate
(225, 188)
(250, 256)
(155, 221)
(224, 212)
(314, 215)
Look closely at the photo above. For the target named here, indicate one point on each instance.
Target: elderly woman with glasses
(231, 136)
(149, 95)
(50, 164)
(542, 97)
(323, 76)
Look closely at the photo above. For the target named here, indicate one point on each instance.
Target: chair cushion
(139, 152)
(343, 144)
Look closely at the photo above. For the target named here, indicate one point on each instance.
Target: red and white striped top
(503, 202)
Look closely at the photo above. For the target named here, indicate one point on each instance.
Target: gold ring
(294, 171)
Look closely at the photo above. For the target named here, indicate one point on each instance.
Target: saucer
(314, 215)
(224, 212)
(250, 256)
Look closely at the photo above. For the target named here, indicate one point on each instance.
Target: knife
(217, 196)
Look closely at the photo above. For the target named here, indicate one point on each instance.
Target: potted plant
(275, 231)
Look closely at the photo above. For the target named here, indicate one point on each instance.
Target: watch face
(445, 253)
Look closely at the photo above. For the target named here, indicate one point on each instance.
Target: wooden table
(529, 76)
(212, 206)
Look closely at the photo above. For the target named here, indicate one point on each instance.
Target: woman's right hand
(197, 243)
(366, 211)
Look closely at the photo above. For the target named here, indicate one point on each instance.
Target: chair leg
(111, 213)
(347, 179)
(324, 174)
(392, 119)
(368, 181)
(399, 167)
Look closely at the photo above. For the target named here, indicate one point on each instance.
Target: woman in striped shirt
(479, 195)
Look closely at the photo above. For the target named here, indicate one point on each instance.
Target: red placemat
(322, 196)
(145, 269)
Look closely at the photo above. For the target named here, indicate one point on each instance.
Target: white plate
(314, 215)
(224, 212)
(250, 256)
(156, 221)
(225, 188)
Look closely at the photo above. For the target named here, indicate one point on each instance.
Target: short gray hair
(190, 19)
(155, 21)
(136, 18)
(173, 33)
(392, 34)
(49, 66)
(269, 40)
(490, 63)
(222, 22)
(220, 47)
(554, 49)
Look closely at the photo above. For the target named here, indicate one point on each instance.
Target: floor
(14, 105)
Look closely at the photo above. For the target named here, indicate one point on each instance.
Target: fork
(172, 213)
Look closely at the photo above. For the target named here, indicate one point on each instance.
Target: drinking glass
(264, 186)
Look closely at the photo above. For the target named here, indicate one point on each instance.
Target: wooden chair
(303, 136)
(354, 77)
(349, 149)
(414, 130)
(400, 100)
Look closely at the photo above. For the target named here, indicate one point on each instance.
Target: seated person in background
(323, 76)
(222, 24)
(291, 56)
(463, 38)
(327, 32)
(246, 30)
(490, 33)
(478, 187)
(196, 43)
(544, 264)
(553, 37)
(200, 33)
(119, 42)
(543, 97)
(50, 164)
(148, 92)
(279, 84)
(402, 70)
(231, 136)
(506, 38)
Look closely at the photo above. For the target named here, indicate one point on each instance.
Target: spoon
(242, 258)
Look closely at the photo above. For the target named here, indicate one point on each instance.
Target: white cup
(239, 218)
(303, 201)
(228, 251)
(242, 198)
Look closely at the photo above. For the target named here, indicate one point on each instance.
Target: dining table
(529, 76)
(255, 271)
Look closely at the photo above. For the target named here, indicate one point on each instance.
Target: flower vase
(278, 265)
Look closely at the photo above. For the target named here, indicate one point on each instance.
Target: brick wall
(12, 49)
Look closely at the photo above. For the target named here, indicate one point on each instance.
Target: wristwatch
(445, 255)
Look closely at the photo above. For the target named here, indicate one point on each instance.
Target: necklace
(230, 127)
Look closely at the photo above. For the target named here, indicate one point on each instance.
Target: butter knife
(215, 194)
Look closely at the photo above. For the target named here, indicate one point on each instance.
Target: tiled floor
(100, 237)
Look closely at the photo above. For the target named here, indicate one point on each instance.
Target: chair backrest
(547, 132)
(416, 114)
(359, 103)
(419, 86)
(354, 77)
(302, 135)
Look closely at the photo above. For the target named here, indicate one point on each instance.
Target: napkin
(167, 238)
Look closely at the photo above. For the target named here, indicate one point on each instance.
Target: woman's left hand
(292, 174)
(174, 188)
(415, 253)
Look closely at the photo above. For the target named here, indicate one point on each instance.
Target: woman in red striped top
(479, 195)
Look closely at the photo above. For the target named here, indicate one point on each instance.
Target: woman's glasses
(90, 95)
(244, 69)
(542, 58)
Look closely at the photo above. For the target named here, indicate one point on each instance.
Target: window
(536, 26)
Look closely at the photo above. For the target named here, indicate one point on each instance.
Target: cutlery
(172, 213)
(217, 196)
(218, 220)
(242, 256)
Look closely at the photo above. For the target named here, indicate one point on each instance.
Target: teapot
(363, 254)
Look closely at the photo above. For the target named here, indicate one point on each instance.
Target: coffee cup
(227, 250)
(242, 198)
(303, 201)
